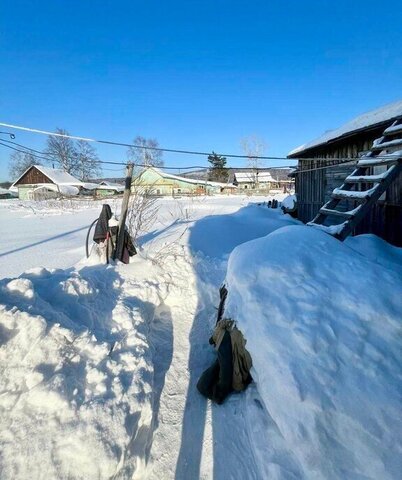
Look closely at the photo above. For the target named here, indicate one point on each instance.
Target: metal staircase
(363, 186)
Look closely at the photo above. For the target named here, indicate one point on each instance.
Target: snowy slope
(323, 328)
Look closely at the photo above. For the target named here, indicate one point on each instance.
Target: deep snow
(323, 328)
(98, 365)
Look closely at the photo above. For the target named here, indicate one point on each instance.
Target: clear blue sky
(195, 74)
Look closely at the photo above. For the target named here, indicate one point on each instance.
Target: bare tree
(146, 154)
(88, 161)
(19, 162)
(253, 147)
(64, 152)
(142, 209)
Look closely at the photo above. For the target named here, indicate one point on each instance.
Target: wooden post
(124, 207)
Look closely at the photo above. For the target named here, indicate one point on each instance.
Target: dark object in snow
(231, 371)
(223, 293)
(216, 382)
(106, 233)
(102, 227)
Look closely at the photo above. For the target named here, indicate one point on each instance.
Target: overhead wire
(159, 149)
(297, 172)
(50, 157)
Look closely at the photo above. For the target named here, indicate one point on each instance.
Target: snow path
(212, 440)
(192, 437)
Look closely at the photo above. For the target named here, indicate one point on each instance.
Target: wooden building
(314, 183)
(106, 189)
(157, 182)
(40, 183)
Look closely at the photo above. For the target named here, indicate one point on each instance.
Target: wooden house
(39, 182)
(106, 188)
(254, 180)
(322, 166)
(157, 182)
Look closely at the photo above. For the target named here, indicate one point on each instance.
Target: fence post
(124, 207)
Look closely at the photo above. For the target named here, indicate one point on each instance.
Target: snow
(4, 191)
(387, 112)
(330, 229)
(354, 193)
(57, 176)
(393, 157)
(325, 348)
(289, 202)
(99, 364)
(111, 186)
(189, 180)
(261, 177)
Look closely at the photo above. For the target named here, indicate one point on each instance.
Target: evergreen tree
(218, 171)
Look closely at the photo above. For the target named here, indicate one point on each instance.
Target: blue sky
(195, 74)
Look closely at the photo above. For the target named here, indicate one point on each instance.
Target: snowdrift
(76, 374)
(323, 326)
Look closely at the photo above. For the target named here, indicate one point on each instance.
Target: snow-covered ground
(98, 364)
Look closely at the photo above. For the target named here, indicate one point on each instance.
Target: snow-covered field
(98, 364)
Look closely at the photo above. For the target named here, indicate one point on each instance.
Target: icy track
(98, 365)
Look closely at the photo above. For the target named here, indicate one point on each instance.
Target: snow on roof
(261, 177)
(90, 185)
(57, 176)
(368, 119)
(111, 186)
(189, 180)
(4, 191)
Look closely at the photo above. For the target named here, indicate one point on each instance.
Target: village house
(158, 182)
(266, 180)
(39, 182)
(106, 188)
(254, 180)
(315, 184)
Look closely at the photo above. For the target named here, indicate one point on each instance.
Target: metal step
(337, 213)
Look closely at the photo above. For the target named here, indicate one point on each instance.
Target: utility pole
(124, 207)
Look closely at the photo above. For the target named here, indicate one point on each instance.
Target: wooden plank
(338, 213)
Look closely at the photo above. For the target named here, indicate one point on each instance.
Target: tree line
(80, 158)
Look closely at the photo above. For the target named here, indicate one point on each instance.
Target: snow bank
(289, 203)
(76, 374)
(322, 324)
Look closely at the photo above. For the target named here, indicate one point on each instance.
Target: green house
(157, 182)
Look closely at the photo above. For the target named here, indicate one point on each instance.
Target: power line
(168, 150)
(297, 172)
(121, 144)
(51, 157)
